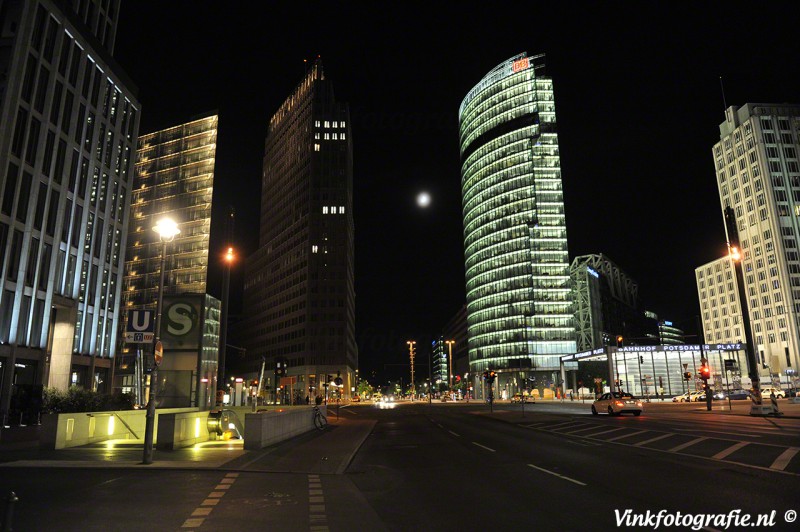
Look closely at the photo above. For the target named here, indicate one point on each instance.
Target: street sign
(140, 328)
(685, 365)
(730, 364)
(158, 353)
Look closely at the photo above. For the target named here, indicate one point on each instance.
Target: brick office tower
(299, 300)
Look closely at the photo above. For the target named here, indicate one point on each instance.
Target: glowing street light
(450, 364)
(411, 353)
(223, 332)
(167, 230)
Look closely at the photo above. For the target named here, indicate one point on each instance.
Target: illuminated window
(341, 210)
(316, 136)
(316, 123)
(314, 249)
(327, 124)
(327, 136)
(316, 147)
(335, 124)
(335, 136)
(325, 210)
(342, 137)
(342, 123)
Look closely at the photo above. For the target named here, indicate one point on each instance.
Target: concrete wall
(267, 428)
(181, 429)
(60, 431)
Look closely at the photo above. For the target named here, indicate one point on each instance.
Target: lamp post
(411, 353)
(749, 347)
(167, 229)
(223, 333)
(450, 364)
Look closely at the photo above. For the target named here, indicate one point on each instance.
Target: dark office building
(299, 300)
(69, 120)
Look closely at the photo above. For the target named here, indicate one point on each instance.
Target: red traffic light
(619, 341)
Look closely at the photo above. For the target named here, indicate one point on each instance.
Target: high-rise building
(174, 178)
(69, 119)
(299, 300)
(720, 311)
(519, 307)
(758, 175)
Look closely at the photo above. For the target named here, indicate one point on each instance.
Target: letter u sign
(140, 321)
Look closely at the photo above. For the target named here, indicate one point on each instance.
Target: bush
(78, 399)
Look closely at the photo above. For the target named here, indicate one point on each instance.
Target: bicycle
(319, 419)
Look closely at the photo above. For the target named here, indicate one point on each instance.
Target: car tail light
(638, 403)
(619, 403)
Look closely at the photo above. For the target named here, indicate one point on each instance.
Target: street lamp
(167, 229)
(450, 364)
(223, 333)
(411, 353)
(749, 347)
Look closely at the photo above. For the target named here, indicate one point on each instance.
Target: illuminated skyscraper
(757, 161)
(519, 311)
(175, 179)
(299, 299)
(69, 119)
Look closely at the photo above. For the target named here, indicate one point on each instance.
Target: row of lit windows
(328, 124)
(329, 136)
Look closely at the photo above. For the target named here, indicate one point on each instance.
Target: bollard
(12, 498)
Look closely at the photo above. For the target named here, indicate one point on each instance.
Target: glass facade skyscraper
(69, 119)
(519, 308)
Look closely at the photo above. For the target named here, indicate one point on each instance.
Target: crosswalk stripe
(730, 450)
(651, 440)
(783, 460)
(593, 427)
(604, 432)
(615, 438)
(685, 445)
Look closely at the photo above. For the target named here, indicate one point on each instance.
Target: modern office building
(299, 299)
(519, 305)
(669, 334)
(720, 310)
(69, 119)
(174, 178)
(758, 176)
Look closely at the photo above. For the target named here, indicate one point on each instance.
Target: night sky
(638, 102)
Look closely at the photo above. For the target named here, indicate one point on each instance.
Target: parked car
(766, 391)
(518, 398)
(682, 398)
(738, 395)
(695, 396)
(615, 403)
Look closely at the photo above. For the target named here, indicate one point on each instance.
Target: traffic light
(641, 359)
(687, 375)
(619, 341)
(491, 377)
(705, 372)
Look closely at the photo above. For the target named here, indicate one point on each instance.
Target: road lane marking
(454, 433)
(651, 440)
(563, 423)
(685, 445)
(730, 450)
(783, 460)
(581, 430)
(627, 435)
(193, 523)
(209, 502)
(317, 517)
(604, 432)
(484, 447)
(222, 486)
(227, 481)
(201, 512)
(557, 474)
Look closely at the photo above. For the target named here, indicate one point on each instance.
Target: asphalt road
(446, 467)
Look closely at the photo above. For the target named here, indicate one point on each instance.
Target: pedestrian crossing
(699, 439)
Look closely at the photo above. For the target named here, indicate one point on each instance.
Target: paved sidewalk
(322, 452)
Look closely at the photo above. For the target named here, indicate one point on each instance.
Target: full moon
(423, 199)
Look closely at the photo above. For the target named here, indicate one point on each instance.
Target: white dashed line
(484, 447)
(783, 460)
(615, 438)
(685, 445)
(730, 450)
(651, 440)
(556, 474)
(454, 433)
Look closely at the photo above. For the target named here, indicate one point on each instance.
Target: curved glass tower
(519, 308)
